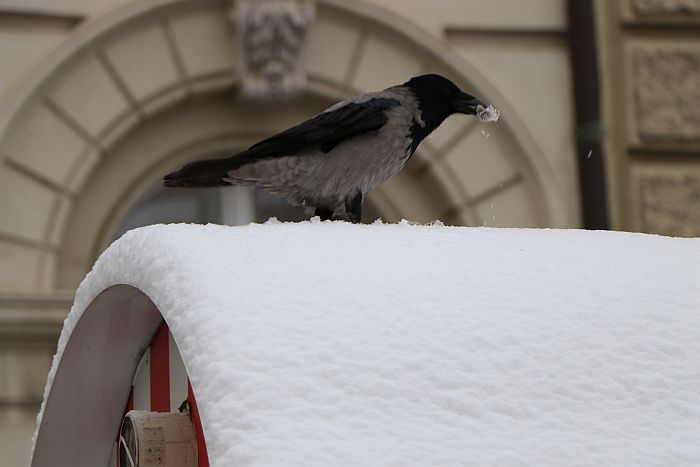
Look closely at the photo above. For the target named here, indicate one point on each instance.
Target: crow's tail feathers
(200, 174)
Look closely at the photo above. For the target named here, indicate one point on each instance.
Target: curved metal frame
(85, 405)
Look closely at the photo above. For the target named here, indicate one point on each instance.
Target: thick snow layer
(320, 344)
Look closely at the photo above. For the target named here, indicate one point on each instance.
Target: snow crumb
(487, 114)
(357, 345)
(273, 220)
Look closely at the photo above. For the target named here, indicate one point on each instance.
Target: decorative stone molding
(270, 34)
(670, 203)
(666, 7)
(33, 317)
(668, 94)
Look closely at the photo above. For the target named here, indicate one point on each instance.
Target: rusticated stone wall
(666, 7)
(670, 202)
(667, 87)
(650, 52)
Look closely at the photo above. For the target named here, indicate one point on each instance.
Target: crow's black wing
(326, 130)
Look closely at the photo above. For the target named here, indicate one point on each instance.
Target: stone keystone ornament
(270, 34)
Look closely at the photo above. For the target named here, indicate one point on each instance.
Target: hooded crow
(331, 161)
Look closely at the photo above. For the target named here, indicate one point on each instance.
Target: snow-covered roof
(316, 344)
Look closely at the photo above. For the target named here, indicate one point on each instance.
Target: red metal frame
(160, 371)
(160, 391)
(202, 456)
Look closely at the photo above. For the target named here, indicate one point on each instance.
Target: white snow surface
(325, 343)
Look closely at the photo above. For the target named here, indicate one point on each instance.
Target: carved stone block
(670, 204)
(270, 36)
(668, 94)
(666, 7)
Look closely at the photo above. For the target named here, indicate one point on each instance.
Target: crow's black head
(438, 98)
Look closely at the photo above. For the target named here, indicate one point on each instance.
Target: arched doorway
(149, 86)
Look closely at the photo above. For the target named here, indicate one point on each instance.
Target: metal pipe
(586, 83)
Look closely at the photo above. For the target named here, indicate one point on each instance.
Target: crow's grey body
(329, 162)
(315, 179)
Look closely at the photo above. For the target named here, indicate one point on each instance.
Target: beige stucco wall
(99, 99)
(650, 52)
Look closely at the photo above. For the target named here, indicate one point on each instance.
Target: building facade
(99, 99)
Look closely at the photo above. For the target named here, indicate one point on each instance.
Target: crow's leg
(324, 213)
(353, 208)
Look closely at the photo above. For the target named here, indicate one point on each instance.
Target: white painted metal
(89, 392)
(142, 383)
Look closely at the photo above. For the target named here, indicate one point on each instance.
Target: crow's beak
(466, 104)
